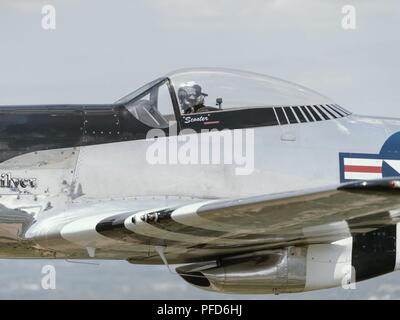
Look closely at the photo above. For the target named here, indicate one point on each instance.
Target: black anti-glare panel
(330, 113)
(316, 116)
(299, 114)
(335, 110)
(308, 115)
(290, 115)
(321, 113)
(342, 109)
(281, 115)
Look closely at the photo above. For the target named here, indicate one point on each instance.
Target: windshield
(141, 91)
(152, 104)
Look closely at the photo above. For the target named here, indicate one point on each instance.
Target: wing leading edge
(198, 230)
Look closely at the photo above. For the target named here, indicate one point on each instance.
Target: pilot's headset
(190, 95)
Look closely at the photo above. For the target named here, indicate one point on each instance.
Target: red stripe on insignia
(369, 169)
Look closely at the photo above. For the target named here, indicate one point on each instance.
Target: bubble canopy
(237, 89)
(224, 98)
(240, 89)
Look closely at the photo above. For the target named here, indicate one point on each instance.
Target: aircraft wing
(195, 230)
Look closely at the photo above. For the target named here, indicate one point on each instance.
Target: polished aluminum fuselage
(285, 158)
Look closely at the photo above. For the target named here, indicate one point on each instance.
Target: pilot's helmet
(190, 95)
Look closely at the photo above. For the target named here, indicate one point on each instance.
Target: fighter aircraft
(248, 183)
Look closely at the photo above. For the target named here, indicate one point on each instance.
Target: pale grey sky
(102, 50)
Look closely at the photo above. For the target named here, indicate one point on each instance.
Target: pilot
(191, 98)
